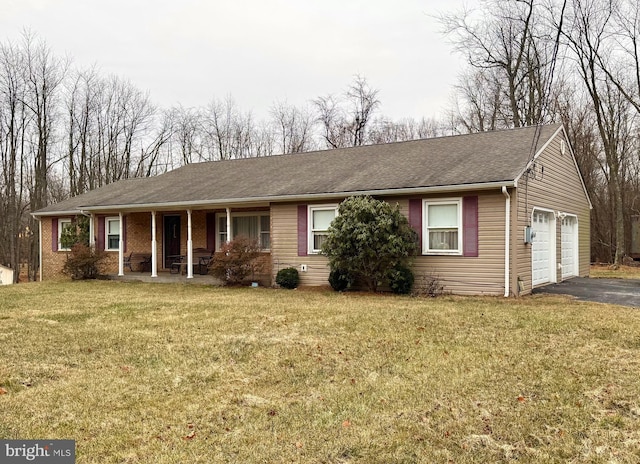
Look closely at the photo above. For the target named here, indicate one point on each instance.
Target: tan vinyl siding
(459, 275)
(284, 247)
(558, 188)
(482, 275)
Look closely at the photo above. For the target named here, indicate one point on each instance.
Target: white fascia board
(539, 152)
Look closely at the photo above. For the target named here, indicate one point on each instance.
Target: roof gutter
(281, 198)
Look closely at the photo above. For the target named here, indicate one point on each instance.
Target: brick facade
(137, 236)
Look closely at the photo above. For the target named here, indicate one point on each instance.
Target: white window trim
(244, 214)
(61, 223)
(106, 233)
(425, 226)
(310, 231)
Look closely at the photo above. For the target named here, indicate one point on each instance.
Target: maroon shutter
(470, 226)
(302, 230)
(211, 231)
(54, 234)
(415, 218)
(100, 238)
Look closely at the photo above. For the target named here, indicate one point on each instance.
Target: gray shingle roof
(487, 157)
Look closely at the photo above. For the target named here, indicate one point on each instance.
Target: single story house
(497, 213)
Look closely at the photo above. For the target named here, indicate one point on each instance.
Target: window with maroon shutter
(450, 226)
(443, 226)
(320, 219)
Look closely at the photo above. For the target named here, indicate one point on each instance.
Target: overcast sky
(257, 51)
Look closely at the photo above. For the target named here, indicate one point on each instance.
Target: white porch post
(92, 232)
(40, 247)
(229, 226)
(154, 251)
(121, 247)
(189, 247)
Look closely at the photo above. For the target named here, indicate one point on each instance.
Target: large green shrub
(288, 277)
(368, 238)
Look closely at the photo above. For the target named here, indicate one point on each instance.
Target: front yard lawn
(164, 373)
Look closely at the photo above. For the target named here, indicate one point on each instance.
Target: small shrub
(428, 286)
(237, 260)
(83, 263)
(401, 280)
(288, 278)
(340, 280)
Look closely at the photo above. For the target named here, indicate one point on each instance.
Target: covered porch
(174, 244)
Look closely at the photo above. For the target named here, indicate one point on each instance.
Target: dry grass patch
(610, 272)
(141, 373)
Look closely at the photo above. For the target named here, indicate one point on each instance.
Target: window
(320, 218)
(112, 233)
(443, 227)
(63, 224)
(254, 226)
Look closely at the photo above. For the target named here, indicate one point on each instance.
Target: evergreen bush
(368, 238)
(288, 278)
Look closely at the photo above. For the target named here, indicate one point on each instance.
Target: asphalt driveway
(625, 292)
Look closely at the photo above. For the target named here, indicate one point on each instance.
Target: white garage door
(542, 250)
(569, 247)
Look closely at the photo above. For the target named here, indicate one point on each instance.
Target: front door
(171, 239)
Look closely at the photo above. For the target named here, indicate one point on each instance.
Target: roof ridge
(362, 147)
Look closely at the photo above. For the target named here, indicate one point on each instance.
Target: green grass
(140, 373)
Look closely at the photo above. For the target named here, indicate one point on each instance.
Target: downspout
(507, 238)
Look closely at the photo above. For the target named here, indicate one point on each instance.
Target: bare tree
(514, 51)
(292, 127)
(387, 131)
(13, 126)
(588, 38)
(345, 122)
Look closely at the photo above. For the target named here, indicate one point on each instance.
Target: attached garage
(569, 244)
(543, 247)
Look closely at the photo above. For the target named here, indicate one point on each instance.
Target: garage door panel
(541, 248)
(569, 246)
